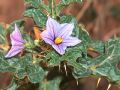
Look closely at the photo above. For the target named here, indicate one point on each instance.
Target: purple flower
(17, 43)
(59, 35)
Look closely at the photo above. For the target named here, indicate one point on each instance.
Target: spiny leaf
(22, 67)
(52, 58)
(35, 73)
(72, 53)
(103, 65)
(14, 64)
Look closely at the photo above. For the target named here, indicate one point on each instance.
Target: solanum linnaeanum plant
(62, 46)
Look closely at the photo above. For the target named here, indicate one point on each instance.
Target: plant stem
(52, 7)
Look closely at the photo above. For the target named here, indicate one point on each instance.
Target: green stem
(106, 47)
(52, 7)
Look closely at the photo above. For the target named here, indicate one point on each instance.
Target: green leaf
(34, 3)
(22, 67)
(39, 17)
(50, 85)
(111, 60)
(72, 53)
(67, 19)
(80, 70)
(103, 65)
(52, 58)
(14, 64)
(98, 46)
(35, 73)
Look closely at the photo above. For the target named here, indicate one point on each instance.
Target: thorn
(98, 82)
(77, 81)
(59, 67)
(65, 69)
(109, 86)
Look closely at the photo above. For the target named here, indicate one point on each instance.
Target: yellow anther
(58, 40)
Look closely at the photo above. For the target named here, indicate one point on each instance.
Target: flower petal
(16, 37)
(71, 41)
(14, 51)
(59, 48)
(46, 37)
(66, 30)
(52, 27)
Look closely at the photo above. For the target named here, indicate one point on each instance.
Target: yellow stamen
(58, 40)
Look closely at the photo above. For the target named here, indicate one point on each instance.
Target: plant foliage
(38, 62)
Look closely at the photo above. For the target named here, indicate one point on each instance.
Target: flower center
(58, 40)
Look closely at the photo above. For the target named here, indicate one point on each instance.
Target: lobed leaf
(22, 67)
(35, 73)
(103, 65)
